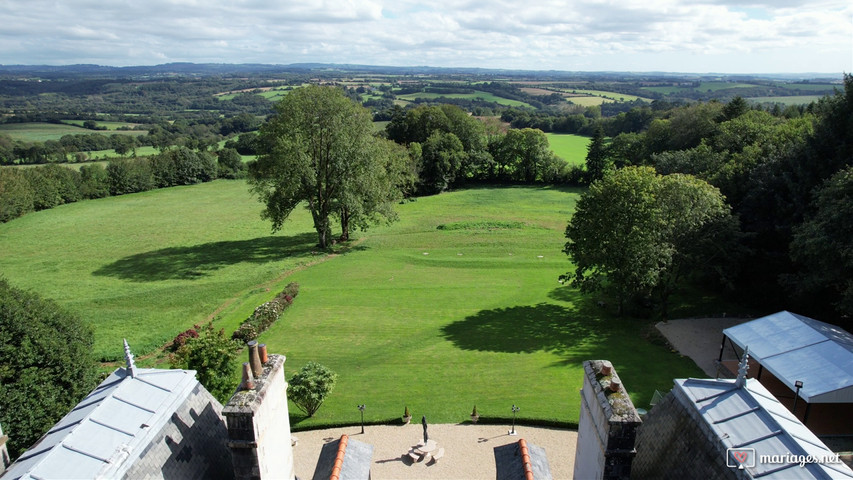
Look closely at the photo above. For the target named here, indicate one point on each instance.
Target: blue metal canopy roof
(749, 417)
(793, 347)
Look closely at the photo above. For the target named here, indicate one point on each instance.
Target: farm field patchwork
(454, 305)
(486, 96)
(615, 96)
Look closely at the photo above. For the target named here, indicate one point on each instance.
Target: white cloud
(686, 35)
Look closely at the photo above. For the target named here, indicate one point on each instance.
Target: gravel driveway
(469, 449)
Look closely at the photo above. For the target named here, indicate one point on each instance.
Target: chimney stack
(608, 425)
(248, 382)
(255, 359)
(259, 423)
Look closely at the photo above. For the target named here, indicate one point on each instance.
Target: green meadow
(571, 148)
(40, 132)
(456, 304)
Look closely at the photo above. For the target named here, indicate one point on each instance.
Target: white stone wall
(275, 453)
(592, 432)
(259, 427)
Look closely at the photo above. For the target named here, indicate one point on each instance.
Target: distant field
(571, 148)
(73, 166)
(621, 97)
(41, 132)
(486, 96)
(536, 91)
(810, 86)
(109, 125)
(276, 94)
(588, 101)
(271, 93)
(703, 87)
(140, 152)
(792, 100)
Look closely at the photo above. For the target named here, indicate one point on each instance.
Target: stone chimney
(259, 425)
(608, 425)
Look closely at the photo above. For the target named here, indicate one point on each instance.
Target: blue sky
(760, 36)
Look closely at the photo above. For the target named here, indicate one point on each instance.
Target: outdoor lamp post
(799, 385)
(514, 411)
(361, 407)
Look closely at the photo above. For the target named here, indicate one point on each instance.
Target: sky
(693, 36)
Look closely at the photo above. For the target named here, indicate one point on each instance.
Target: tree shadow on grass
(189, 263)
(523, 329)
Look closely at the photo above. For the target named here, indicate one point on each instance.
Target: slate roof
(357, 459)
(109, 429)
(793, 347)
(510, 466)
(750, 417)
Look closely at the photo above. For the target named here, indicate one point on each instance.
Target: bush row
(266, 314)
(23, 190)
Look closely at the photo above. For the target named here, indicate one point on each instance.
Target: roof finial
(743, 366)
(128, 357)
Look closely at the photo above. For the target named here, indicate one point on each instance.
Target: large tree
(637, 233)
(45, 364)
(522, 154)
(597, 159)
(823, 245)
(319, 148)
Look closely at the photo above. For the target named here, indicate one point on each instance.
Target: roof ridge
(525, 459)
(339, 458)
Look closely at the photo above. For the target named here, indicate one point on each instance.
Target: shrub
(246, 332)
(310, 387)
(266, 314)
(211, 355)
(182, 338)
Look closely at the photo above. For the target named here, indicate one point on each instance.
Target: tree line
(787, 181)
(23, 190)
(197, 134)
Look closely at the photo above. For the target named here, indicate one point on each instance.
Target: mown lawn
(147, 266)
(454, 305)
